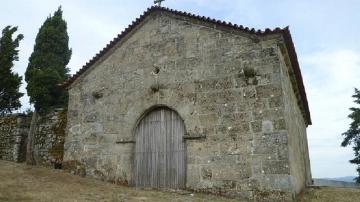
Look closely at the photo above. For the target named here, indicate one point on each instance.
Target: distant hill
(343, 179)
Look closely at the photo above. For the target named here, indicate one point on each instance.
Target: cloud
(330, 77)
(334, 66)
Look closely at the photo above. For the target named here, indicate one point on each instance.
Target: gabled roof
(283, 31)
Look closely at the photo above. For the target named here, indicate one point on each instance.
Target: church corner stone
(236, 96)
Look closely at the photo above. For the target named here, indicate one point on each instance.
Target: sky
(325, 33)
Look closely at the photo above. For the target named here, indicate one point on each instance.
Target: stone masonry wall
(13, 135)
(297, 137)
(225, 84)
(49, 138)
(48, 143)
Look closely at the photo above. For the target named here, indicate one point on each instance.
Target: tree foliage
(48, 64)
(352, 135)
(9, 81)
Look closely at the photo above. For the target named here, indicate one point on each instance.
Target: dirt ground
(19, 182)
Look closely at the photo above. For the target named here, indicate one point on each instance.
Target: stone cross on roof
(158, 2)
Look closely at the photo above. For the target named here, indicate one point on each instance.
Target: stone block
(274, 182)
(208, 120)
(227, 108)
(276, 167)
(193, 177)
(256, 126)
(268, 143)
(230, 172)
(271, 114)
(268, 91)
(280, 124)
(206, 173)
(267, 126)
(276, 102)
(107, 138)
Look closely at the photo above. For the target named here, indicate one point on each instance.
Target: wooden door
(160, 153)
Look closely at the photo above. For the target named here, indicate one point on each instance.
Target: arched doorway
(160, 152)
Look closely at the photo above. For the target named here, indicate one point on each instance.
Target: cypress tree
(352, 135)
(47, 64)
(9, 81)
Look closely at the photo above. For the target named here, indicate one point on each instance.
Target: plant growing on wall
(250, 76)
(47, 64)
(352, 135)
(9, 81)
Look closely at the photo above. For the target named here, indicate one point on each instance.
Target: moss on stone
(57, 150)
(9, 120)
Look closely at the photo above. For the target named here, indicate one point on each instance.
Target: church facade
(184, 101)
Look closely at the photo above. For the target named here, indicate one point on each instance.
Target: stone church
(188, 102)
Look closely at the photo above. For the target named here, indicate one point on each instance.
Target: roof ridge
(221, 22)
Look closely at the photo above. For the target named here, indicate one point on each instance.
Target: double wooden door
(160, 152)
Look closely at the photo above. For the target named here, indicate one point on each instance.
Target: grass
(19, 182)
(329, 194)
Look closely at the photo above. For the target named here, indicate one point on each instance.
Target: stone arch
(160, 151)
(145, 111)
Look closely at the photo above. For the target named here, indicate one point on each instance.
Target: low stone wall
(48, 140)
(13, 136)
(48, 145)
